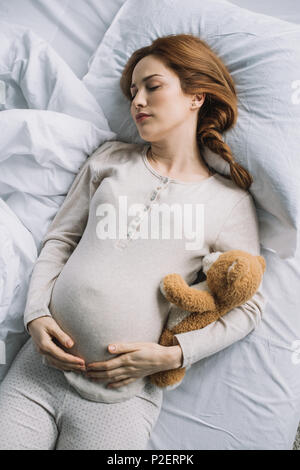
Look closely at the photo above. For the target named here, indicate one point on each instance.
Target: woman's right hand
(42, 331)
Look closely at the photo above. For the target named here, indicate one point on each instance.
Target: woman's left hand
(136, 360)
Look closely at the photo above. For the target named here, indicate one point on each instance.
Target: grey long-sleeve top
(120, 229)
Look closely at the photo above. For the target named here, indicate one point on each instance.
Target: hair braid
(209, 134)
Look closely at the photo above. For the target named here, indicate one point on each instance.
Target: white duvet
(50, 124)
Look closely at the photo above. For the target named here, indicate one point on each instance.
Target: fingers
(49, 340)
(66, 366)
(48, 348)
(58, 354)
(59, 334)
(52, 349)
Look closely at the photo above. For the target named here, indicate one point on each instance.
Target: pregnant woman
(95, 284)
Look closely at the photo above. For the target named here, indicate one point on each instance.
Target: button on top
(135, 223)
(153, 195)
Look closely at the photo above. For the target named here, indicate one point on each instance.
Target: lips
(141, 116)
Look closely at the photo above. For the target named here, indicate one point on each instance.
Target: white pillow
(263, 55)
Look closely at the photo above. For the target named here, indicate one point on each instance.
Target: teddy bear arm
(195, 300)
(195, 321)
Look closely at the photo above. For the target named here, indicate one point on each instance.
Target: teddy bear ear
(238, 268)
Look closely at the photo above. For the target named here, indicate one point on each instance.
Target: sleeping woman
(134, 213)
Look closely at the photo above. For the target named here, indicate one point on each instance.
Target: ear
(199, 99)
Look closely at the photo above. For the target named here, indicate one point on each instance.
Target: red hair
(199, 70)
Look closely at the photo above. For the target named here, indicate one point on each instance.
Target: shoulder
(110, 154)
(237, 225)
(113, 153)
(231, 195)
(115, 149)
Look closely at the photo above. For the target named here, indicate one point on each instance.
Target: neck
(177, 163)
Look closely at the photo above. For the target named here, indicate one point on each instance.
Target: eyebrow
(146, 78)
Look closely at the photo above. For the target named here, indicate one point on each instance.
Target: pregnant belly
(98, 312)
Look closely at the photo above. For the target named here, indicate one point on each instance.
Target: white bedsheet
(246, 397)
(210, 410)
(17, 254)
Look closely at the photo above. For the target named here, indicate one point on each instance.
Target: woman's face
(160, 96)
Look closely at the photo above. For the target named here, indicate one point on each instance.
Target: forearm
(232, 327)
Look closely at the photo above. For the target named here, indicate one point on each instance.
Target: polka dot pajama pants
(40, 410)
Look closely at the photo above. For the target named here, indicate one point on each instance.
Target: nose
(139, 101)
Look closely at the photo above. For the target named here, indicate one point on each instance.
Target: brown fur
(232, 280)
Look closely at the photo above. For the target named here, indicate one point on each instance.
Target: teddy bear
(232, 278)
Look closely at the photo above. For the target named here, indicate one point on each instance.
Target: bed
(244, 397)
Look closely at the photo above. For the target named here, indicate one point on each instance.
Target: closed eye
(151, 89)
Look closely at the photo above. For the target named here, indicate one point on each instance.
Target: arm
(62, 238)
(240, 231)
